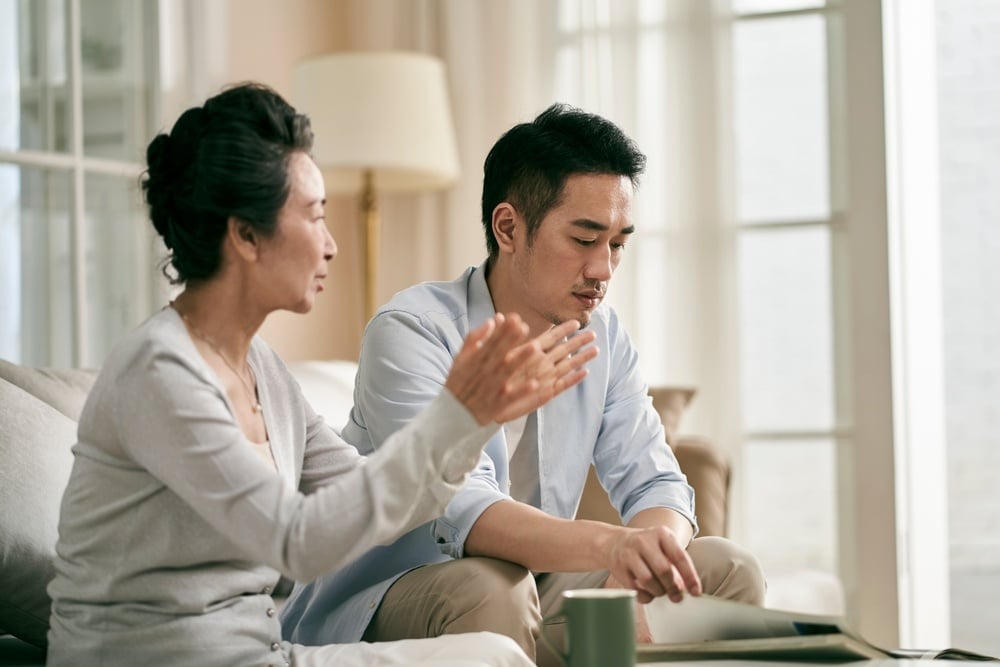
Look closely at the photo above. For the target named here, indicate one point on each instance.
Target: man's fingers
(653, 562)
(644, 579)
(682, 562)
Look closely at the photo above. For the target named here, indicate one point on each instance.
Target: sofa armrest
(707, 470)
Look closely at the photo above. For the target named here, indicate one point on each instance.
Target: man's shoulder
(433, 299)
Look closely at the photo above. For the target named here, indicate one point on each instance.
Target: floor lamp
(382, 122)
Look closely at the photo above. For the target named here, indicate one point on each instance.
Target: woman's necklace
(251, 394)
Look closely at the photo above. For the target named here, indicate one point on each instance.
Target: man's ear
(243, 237)
(505, 221)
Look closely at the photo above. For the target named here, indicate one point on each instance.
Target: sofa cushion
(328, 386)
(38, 412)
(35, 441)
(65, 390)
(670, 403)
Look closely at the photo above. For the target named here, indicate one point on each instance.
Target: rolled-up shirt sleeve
(631, 457)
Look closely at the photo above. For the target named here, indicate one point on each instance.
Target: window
(79, 80)
(766, 271)
(785, 215)
(968, 87)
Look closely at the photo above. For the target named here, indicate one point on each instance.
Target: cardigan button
(271, 612)
(275, 646)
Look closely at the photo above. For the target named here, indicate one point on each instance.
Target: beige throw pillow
(35, 442)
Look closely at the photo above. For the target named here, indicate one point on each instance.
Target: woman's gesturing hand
(499, 375)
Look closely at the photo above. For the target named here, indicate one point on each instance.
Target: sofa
(38, 413)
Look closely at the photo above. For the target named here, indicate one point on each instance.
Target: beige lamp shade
(387, 113)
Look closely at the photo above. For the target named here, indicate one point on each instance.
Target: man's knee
(498, 587)
(464, 595)
(498, 596)
(728, 570)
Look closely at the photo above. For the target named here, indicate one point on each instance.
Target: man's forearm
(525, 535)
(662, 516)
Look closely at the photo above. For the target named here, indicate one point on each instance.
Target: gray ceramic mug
(600, 628)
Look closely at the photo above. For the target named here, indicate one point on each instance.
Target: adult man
(556, 208)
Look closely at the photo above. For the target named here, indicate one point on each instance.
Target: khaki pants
(471, 594)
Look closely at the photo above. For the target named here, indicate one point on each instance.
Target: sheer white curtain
(651, 67)
(654, 68)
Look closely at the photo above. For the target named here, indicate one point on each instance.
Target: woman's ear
(505, 222)
(243, 237)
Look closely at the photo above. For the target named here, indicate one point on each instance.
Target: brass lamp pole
(369, 217)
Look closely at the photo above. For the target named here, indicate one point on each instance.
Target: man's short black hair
(528, 166)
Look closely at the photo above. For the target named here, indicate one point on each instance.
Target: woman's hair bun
(158, 184)
(225, 159)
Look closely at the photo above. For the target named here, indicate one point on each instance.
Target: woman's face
(294, 260)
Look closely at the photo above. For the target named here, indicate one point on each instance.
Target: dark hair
(226, 158)
(528, 166)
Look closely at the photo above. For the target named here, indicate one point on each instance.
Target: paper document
(705, 627)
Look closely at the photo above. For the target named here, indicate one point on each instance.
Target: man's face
(565, 270)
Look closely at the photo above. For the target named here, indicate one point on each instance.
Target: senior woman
(201, 474)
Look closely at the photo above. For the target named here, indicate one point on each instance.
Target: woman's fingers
(499, 376)
(479, 334)
(557, 333)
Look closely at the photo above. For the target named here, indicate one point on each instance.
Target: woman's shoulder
(162, 332)
(161, 337)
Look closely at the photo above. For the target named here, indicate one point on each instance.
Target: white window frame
(191, 41)
(913, 207)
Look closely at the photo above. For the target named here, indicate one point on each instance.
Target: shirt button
(271, 612)
(275, 646)
(266, 590)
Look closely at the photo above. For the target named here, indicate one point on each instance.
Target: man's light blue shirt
(407, 352)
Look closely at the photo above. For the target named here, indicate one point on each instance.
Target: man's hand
(653, 562)
(642, 633)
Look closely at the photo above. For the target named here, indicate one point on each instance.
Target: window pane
(968, 79)
(782, 155)
(786, 326)
(35, 308)
(790, 503)
(36, 115)
(653, 121)
(120, 268)
(116, 44)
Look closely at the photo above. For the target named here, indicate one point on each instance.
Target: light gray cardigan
(173, 530)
